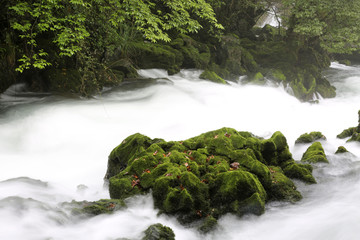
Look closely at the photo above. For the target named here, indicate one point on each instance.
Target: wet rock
(315, 154)
(310, 137)
(159, 232)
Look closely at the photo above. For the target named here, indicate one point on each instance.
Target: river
(54, 149)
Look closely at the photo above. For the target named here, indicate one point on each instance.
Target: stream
(54, 149)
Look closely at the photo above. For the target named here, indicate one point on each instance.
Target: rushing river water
(55, 149)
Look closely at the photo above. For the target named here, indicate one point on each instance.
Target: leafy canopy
(335, 22)
(68, 22)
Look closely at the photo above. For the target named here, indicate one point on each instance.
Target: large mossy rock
(159, 232)
(315, 154)
(218, 172)
(352, 132)
(310, 137)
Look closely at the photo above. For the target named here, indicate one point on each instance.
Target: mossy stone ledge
(207, 176)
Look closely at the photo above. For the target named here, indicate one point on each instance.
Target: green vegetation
(333, 23)
(212, 76)
(310, 137)
(159, 232)
(341, 149)
(103, 206)
(352, 132)
(61, 34)
(315, 154)
(81, 46)
(205, 177)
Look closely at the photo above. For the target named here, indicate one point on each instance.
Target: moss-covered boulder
(352, 132)
(341, 149)
(310, 137)
(218, 172)
(158, 232)
(212, 76)
(315, 154)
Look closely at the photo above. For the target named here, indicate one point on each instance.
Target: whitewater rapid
(54, 149)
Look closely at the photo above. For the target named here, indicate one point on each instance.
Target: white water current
(55, 149)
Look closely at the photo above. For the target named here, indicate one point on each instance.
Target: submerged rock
(218, 172)
(315, 154)
(159, 232)
(310, 137)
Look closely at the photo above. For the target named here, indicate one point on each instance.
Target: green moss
(233, 189)
(154, 55)
(326, 90)
(278, 75)
(247, 159)
(345, 62)
(353, 132)
(196, 54)
(103, 206)
(121, 188)
(279, 140)
(212, 174)
(310, 137)
(212, 76)
(269, 151)
(158, 232)
(355, 137)
(314, 154)
(220, 145)
(341, 149)
(128, 149)
(209, 224)
(299, 171)
(282, 188)
(258, 78)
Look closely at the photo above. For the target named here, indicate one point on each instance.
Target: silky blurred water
(54, 149)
